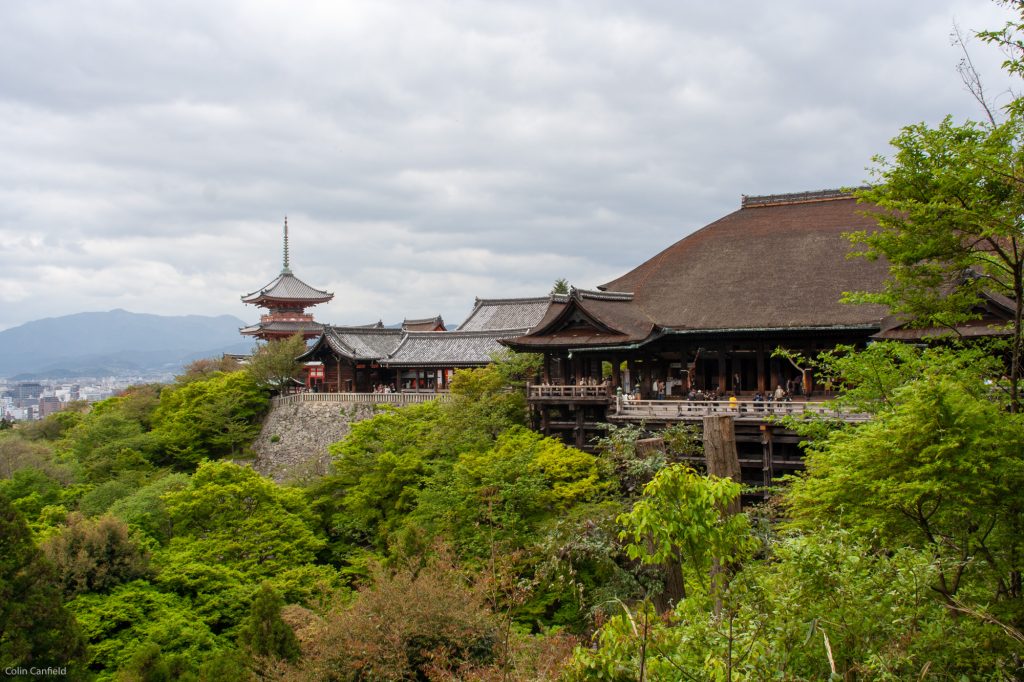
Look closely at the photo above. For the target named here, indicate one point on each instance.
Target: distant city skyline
(429, 152)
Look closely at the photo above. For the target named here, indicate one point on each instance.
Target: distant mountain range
(115, 343)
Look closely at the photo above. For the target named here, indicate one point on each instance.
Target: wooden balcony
(744, 410)
(550, 393)
(404, 398)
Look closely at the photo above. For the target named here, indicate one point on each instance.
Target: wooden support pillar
(760, 368)
(808, 379)
(616, 372)
(722, 377)
(720, 448)
(546, 370)
(767, 459)
(631, 366)
(722, 461)
(580, 439)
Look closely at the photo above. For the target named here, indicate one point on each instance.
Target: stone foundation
(293, 443)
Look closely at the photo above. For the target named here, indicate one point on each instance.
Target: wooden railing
(540, 391)
(360, 398)
(681, 410)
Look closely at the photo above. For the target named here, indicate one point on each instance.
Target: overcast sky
(427, 152)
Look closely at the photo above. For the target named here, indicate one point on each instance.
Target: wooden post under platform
(722, 461)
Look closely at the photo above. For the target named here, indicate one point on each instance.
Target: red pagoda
(286, 299)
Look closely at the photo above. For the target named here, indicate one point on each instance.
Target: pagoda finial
(286, 268)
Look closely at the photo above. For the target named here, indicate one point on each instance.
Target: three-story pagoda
(285, 299)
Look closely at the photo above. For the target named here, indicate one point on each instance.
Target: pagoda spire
(285, 269)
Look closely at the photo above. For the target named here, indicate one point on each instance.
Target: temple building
(419, 356)
(706, 313)
(286, 299)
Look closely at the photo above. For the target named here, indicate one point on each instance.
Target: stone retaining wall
(293, 442)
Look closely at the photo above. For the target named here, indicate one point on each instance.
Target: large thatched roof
(778, 263)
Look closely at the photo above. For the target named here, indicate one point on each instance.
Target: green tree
(483, 405)
(273, 364)
(951, 225)
(31, 491)
(516, 369)
(821, 605)
(215, 417)
(35, 628)
(107, 443)
(941, 471)
(145, 510)
(231, 516)
(1008, 39)
(377, 472)
(147, 664)
(561, 286)
(204, 368)
(499, 499)
(52, 427)
(264, 632)
(93, 556)
(136, 615)
(682, 518)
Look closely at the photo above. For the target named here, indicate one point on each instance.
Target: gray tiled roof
(288, 287)
(363, 343)
(282, 326)
(471, 346)
(448, 349)
(426, 324)
(505, 313)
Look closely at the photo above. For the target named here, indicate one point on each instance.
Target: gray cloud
(427, 152)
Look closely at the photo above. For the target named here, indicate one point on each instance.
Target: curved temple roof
(505, 313)
(282, 327)
(418, 343)
(448, 349)
(288, 287)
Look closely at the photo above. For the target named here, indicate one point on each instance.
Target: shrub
(93, 556)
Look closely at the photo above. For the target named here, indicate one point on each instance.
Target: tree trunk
(1015, 353)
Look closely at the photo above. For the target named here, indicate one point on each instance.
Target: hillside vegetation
(451, 542)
